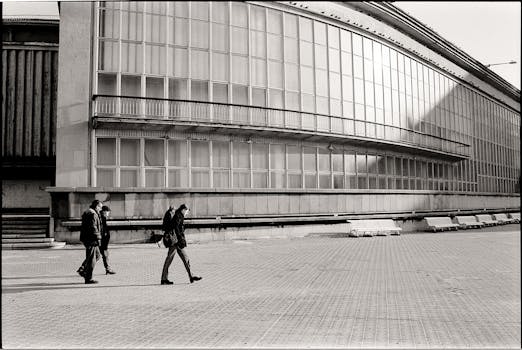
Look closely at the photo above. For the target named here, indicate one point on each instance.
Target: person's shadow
(29, 287)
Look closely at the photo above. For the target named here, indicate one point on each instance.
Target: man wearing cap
(104, 243)
(179, 246)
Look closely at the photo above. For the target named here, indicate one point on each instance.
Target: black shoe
(91, 282)
(166, 282)
(109, 272)
(195, 278)
(81, 271)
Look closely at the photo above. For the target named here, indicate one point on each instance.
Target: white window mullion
(141, 170)
(118, 152)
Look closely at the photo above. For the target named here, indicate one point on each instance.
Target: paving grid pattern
(444, 290)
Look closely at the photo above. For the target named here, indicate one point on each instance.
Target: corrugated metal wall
(29, 90)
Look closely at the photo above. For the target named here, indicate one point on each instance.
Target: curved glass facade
(246, 64)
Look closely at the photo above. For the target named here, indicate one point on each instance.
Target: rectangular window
(154, 152)
(106, 151)
(130, 152)
(277, 166)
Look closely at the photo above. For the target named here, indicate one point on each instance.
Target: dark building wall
(29, 94)
(29, 86)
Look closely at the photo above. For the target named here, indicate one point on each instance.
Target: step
(25, 221)
(21, 231)
(49, 245)
(27, 240)
(30, 226)
(23, 235)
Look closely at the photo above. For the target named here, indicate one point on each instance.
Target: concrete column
(74, 95)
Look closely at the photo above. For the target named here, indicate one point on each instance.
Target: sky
(487, 31)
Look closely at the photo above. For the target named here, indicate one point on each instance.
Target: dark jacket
(105, 233)
(179, 228)
(168, 222)
(90, 232)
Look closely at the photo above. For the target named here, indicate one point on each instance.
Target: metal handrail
(95, 98)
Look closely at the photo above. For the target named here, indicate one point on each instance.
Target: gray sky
(487, 31)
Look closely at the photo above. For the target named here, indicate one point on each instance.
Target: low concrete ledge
(286, 219)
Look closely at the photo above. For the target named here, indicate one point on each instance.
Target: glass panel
(333, 37)
(128, 178)
(177, 89)
(199, 90)
(105, 151)
(199, 64)
(178, 178)
(180, 62)
(219, 37)
(220, 11)
(131, 57)
(320, 33)
(257, 18)
(259, 156)
(275, 74)
(275, 47)
(221, 179)
(129, 152)
(130, 85)
(277, 157)
(199, 155)
(239, 15)
(277, 180)
(107, 84)
(241, 155)
(240, 69)
(274, 22)
(310, 162)
(294, 157)
(177, 153)
(154, 178)
(200, 178)
(220, 154)
(105, 177)
(258, 72)
(220, 66)
(199, 10)
(320, 57)
(306, 53)
(239, 42)
(258, 97)
(260, 179)
(291, 50)
(337, 161)
(294, 181)
(239, 94)
(258, 44)
(324, 160)
(290, 25)
(181, 31)
(324, 181)
(154, 87)
(220, 93)
(307, 80)
(154, 153)
(305, 29)
(310, 181)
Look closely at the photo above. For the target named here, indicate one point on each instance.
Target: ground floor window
(189, 163)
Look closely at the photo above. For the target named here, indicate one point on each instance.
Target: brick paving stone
(444, 290)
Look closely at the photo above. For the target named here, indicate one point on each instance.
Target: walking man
(90, 235)
(104, 245)
(176, 223)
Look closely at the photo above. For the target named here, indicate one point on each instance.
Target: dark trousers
(170, 256)
(92, 255)
(104, 251)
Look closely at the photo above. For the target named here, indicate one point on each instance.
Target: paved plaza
(426, 290)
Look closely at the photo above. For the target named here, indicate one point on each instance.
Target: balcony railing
(221, 113)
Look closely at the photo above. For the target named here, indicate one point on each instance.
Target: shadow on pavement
(30, 287)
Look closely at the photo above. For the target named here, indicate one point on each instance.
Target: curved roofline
(402, 21)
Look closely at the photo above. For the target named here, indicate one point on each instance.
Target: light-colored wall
(25, 194)
(74, 75)
(150, 205)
